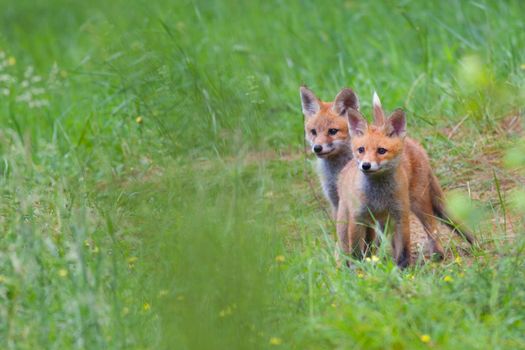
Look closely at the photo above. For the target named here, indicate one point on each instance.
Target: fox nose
(318, 148)
(366, 166)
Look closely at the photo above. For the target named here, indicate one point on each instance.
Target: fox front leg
(357, 239)
(401, 241)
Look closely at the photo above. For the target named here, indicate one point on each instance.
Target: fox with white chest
(326, 129)
(389, 177)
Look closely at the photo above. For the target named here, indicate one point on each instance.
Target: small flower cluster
(29, 89)
(6, 79)
(425, 338)
(32, 90)
(373, 259)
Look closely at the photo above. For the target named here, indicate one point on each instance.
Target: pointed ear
(379, 115)
(396, 125)
(344, 100)
(357, 125)
(310, 102)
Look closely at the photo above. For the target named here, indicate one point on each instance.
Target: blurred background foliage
(155, 192)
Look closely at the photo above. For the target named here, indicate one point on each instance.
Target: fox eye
(381, 150)
(313, 132)
(332, 131)
(361, 149)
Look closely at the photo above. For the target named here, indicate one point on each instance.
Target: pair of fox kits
(373, 174)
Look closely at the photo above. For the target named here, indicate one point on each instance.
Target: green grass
(199, 227)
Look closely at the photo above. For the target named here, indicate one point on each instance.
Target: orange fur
(326, 129)
(323, 121)
(398, 181)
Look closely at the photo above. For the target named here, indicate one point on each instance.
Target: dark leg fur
(370, 240)
(428, 224)
(404, 259)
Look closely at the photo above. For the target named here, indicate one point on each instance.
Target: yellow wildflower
(146, 306)
(360, 275)
(448, 278)
(131, 261)
(425, 338)
(458, 260)
(62, 273)
(373, 259)
(139, 120)
(275, 341)
(225, 312)
(280, 258)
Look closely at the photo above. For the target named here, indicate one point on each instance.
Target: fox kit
(375, 186)
(389, 177)
(326, 129)
(423, 180)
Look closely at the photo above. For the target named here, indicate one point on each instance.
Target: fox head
(326, 126)
(378, 147)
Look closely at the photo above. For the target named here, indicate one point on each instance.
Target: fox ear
(396, 125)
(356, 123)
(344, 100)
(310, 102)
(379, 115)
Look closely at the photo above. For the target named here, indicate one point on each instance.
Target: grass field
(156, 192)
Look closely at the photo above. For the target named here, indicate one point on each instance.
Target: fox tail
(439, 211)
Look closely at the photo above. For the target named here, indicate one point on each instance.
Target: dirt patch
(420, 244)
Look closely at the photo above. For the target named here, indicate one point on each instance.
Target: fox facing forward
(389, 176)
(326, 129)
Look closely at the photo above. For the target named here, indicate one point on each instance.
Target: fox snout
(368, 167)
(324, 150)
